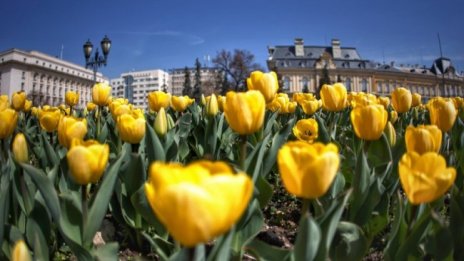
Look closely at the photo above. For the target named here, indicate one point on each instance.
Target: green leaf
(99, 206)
(397, 228)
(46, 188)
(4, 204)
(221, 249)
(107, 252)
(71, 217)
(263, 251)
(324, 136)
(360, 184)
(351, 242)
(185, 125)
(50, 151)
(308, 239)
(277, 141)
(271, 118)
(154, 149)
(264, 191)
(248, 227)
(211, 136)
(379, 152)
(256, 163)
(37, 238)
(141, 205)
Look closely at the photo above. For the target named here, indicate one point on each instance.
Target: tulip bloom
(423, 138)
(310, 106)
(8, 120)
(101, 93)
(266, 83)
(20, 252)
(4, 103)
(385, 101)
(282, 104)
(19, 148)
(87, 161)
(212, 106)
(306, 130)
(18, 100)
(180, 103)
(49, 118)
(27, 106)
(333, 97)
(131, 126)
(391, 133)
(416, 99)
(161, 123)
(369, 121)
(393, 116)
(401, 99)
(308, 170)
(244, 111)
(197, 202)
(71, 98)
(299, 97)
(158, 100)
(442, 113)
(70, 128)
(425, 177)
(91, 106)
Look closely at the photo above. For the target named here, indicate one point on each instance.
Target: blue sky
(149, 34)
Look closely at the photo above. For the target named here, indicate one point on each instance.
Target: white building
(44, 78)
(135, 86)
(209, 77)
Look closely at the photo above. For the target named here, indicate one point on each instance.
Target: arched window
(364, 85)
(304, 84)
(287, 83)
(348, 84)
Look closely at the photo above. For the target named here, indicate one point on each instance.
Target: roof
(313, 52)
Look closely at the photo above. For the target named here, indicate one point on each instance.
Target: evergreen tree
(187, 83)
(325, 79)
(197, 86)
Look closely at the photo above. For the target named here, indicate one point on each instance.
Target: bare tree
(236, 67)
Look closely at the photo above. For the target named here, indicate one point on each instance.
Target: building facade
(209, 76)
(44, 78)
(135, 86)
(302, 68)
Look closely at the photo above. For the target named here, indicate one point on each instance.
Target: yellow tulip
(4, 103)
(425, 177)
(401, 99)
(442, 113)
(49, 118)
(8, 120)
(299, 97)
(87, 161)
(391, 134)
(101, 94)
(310, 106)
(91, 106)
(70, 128)
(71, 98)
(18, 100)
(120, 110)
(266, 83)
(308, 170)
(20, 252)
(158, 100)
(115, 103)
(458, 102)
(244, 111)
(27, 106)
(385, 101)
(212, 106)
(306, 130)
(131, 126)
(282, 104)
(361, 99)
(203, 99)
(393, 116)
(369, 121)
(180, 103)
(423, 138)
(221, 102)
(19, 147)
(333, 97)
(416, 99)
(197, 202)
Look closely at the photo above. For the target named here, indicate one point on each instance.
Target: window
(304, 84)
(364, 84)
(23, 75)
(348, 84)
(287, 83)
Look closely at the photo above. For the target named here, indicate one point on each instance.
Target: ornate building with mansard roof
(44, 78)
(301, 68)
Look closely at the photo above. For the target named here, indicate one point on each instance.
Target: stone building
(44, 78)
(302, 67)
(209, 76)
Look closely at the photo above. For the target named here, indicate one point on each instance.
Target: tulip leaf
(438, 240)
(263, 251)
(308, 239)
(248, 227)
(99, 206)
(221, 249)
(360, 184)
(141, 205)
(277, 141)
(210, 136)
(324, 136)
(185, 125)
(4, 203)
(46, 188)
(36, 236)
(270, 120)
(351, 242)
(456, 223)
(154, 149)
(256, 164)
(50, 152)
(398, 228)
(379, 152)
(264, 190)
(107, 252)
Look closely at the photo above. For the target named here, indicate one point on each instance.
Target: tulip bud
(203, 99)
(49, 118)
(27, 106)
(91, 106)
(180, 103)
(393, 116)
(87, 161)
(266, 83)
(369, 121)
(161, 126)
(390, 132)
(416, 99)
(20, 151)
(18, 100)
(212, 106)
(401, 99)
(71, 98)
(101, 94)
(171, 123)
(245, 111)
(20, 252)
(70, 128)
(442, 113)
(8, 120)
(333, 97)
(131, 126)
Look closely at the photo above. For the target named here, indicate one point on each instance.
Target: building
(135, 86)
(44, 78)
(302, 67)
(209, 76)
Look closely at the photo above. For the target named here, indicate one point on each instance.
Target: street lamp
(97, 60)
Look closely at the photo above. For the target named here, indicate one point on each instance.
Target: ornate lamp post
(97, 60)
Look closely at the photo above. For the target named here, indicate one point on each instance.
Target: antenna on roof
(439, 44)
(61, 52)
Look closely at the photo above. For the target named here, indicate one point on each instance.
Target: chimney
(336, 50)
(299, 47)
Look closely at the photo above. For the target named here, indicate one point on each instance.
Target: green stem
(412, 218)
(243, 150)
(191, 253)
(305, 209)
(51, 137)
(98, 115)
(24, 191)
(84, 207)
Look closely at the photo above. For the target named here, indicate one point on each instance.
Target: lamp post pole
(97, 60)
